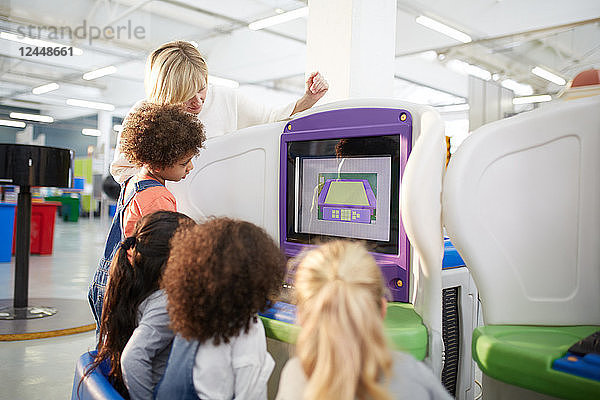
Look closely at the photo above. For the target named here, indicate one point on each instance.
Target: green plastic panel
(83, 167)
(403, 327)
(282, 331)
(70, 207)
(87, 202)
(523, 356)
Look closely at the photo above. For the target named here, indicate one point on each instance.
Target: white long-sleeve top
(411, 379)
(144, 358)
(225, 110)
(239, 369)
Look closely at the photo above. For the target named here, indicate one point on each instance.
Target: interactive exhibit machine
(373, 170)
(335, 171)
(521, 202)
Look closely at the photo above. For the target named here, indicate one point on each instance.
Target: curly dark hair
(161, 135)
(219, 276)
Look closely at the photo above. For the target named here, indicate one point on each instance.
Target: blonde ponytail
(342, 347)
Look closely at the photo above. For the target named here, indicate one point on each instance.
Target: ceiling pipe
(128, 11)
(238, 22)
(90, 15)
(70, 78)
(500, 37)
(428, 86)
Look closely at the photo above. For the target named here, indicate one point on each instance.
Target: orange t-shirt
(156, 198)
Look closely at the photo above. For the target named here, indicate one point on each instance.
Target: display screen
(344, 188)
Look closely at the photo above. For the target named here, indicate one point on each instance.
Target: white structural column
(488, 102)
(352, 42)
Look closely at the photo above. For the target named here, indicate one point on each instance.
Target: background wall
(61, 133)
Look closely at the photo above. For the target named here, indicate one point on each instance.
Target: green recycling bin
(69, 207)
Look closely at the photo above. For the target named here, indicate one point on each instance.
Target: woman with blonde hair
(176, 73)
(341, 351)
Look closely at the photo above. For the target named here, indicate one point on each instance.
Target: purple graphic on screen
(306, 136)
(347, 200)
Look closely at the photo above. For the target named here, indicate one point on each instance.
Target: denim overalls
(178, 381)
(113, 241)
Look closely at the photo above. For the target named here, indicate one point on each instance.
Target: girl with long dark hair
(134, 331)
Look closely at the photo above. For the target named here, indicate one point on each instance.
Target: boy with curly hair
(161, 140)
(218, 277)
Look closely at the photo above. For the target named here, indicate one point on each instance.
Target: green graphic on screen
(349, 193)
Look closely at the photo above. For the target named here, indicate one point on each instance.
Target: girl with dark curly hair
(161, 140)
(219, 276)
(134, 333)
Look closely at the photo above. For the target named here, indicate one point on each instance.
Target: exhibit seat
(521, 203)
(96, 385)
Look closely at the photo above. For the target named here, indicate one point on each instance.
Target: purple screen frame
(348, 123)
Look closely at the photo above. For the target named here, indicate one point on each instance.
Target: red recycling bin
(43, 216)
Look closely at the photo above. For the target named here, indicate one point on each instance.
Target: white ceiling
(509, 38)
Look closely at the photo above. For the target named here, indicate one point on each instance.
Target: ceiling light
(14, 124)
(495, 77)
(88, 76)
(32, 117)
(37, 42)
(90, 104)
(466, 68)
(91, 132)
(45, 88)
(549, 76)
(223, 82)
(445, 29)
(519, 88)
(532, 99)
(117, 128)
(279, 19)
(429, 55)
(478, 72)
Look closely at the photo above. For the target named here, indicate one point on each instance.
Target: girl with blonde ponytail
(342, 352)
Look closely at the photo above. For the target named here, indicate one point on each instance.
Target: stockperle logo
(84, 31)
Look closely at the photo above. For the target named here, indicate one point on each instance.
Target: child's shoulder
(253, 339)
(155, 198)
(413, 379)
(406, 362)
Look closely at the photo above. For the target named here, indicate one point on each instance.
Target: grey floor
(43, 368)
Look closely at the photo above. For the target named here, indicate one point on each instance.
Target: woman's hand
(316, 87)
